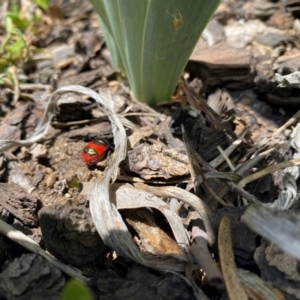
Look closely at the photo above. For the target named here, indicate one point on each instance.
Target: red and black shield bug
(95, 151)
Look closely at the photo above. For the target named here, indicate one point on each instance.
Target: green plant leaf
(76, 290)
(16, 19)
(16, 48)
(154, 40)
(44, 4)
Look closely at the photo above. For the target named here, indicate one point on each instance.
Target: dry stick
(233, 285)
(287, 124)
(190, 199)
(250, 163)
(268, 170)
(219, 159)
(229, 163)
(200, 251)
(23, 240)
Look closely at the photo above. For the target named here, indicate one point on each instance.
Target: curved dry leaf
(287, 197)
(189, 198)
(128, 196)
(233, 284)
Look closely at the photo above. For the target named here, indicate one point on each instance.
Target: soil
(202, 206)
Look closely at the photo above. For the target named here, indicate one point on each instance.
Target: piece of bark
(29, 273)
(19, 203)
(11, 125)
(69, 234)
(279, 269)
(88, 77)
(152, 161)
(222, 64)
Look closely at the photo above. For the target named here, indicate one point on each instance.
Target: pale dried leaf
(291, 80)
(128, 197)
(287, 197)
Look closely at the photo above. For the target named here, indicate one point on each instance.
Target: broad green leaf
(154, 40)
(75, 290)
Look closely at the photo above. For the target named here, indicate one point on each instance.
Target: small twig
(218, 160)
(139, 114)
(229, 163)
(233, 284)
(200, 251)
(268, 170)
(34, 86)
(16, 87)
(250, 163)
(286, 125)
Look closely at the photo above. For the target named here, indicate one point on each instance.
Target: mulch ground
(208, 191)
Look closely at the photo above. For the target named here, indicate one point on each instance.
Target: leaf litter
(198, 192)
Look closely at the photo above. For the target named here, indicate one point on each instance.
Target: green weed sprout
(75, 290)
(15, 49)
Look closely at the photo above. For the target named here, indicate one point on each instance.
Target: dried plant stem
(268, 170)
(23, 240)
(218, 198)
(220, 159)
(230, 273)
(295, 117)
(229, 163)
(200, 251)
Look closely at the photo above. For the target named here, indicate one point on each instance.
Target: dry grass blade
(190, 199)
(220, 159)
(268, 170)
(256, 288)
(294, 118)
(230, 274)
(281, 227)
